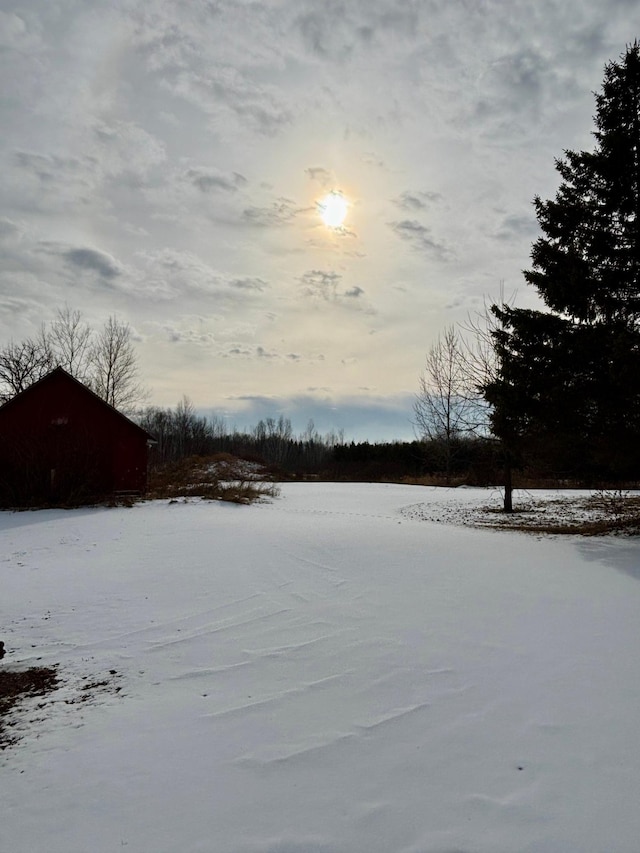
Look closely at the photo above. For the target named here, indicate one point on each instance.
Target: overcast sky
(163, 161)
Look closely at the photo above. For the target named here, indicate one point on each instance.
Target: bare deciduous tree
(483, 367)
(71, 339)
(114, 367)
(451, 402)
(22, 364)
(446, 406)
(274, 438)
(105, 361)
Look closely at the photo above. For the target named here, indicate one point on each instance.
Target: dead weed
(220, 477)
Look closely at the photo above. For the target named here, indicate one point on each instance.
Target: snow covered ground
(330, 672)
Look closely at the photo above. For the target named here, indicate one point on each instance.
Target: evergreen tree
(567, 390)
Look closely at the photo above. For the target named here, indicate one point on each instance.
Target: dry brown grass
(599, 514)
(603, 513)
(220, 477)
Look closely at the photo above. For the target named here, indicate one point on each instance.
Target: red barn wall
(61, 429)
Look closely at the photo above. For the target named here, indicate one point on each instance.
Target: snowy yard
(331, 672)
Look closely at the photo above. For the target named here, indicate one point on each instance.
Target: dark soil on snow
(14, 687)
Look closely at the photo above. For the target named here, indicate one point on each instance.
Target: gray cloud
(321, 284)
(221, 76)
(50, 168)
(179, 334)
(354, 292)
(259, 352)
(171, 274)
(255, 284)
(238, 351)
(335, 30)
(414, 201)
(281, 212)
(92, 260)
(124, 148)
(15, 307)
(207, 179)
(420, 237)
(113, 154)
(51, 183)
(320, 175)
(518, 226)
(324, 286)
(264, 111)
(14, 32)
(8, 228)
(521, 78)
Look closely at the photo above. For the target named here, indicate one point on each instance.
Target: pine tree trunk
(508, 483)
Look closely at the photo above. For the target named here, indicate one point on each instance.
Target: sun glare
(333, 209)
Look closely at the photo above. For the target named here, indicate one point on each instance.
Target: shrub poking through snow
(220, 477)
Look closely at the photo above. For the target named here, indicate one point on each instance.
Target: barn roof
(59, 373)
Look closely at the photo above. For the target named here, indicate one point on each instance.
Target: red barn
(62, 444)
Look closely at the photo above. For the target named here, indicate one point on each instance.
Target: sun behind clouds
(333, 209)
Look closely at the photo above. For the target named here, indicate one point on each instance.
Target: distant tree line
(182, 433)
(469, 461)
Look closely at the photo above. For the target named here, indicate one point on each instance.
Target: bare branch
(114, 368)
(71, 340)
(22, 364)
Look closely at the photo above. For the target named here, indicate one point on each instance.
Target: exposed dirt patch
(15, 686)
(31, 697)
(91, 687)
